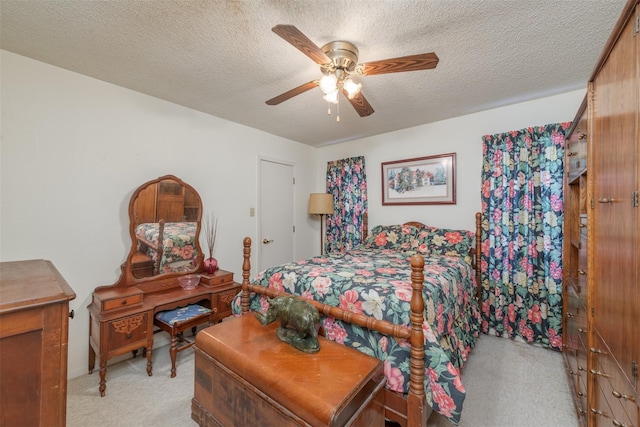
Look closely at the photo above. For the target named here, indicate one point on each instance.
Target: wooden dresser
(602, 236)
(34, 329)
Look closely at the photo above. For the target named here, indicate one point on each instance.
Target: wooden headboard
(475, 252)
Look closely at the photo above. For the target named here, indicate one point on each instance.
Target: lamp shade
(320, 203)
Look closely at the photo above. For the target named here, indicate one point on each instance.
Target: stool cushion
(182, 314)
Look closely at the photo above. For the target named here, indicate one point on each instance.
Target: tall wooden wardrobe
(602, 236)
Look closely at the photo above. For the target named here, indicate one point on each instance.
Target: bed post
(246, 272)
(478, 255)
(416, 411)
(160, 250)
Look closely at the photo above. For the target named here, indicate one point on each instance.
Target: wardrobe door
(615, 208)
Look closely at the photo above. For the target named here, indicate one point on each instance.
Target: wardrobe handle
(618, 423)
(596, 350)
(581, 272)
(599, 412)
(600, 374)
(622, 396)
(606, 200)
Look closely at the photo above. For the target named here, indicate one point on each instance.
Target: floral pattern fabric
(178, 244)
(378, 283)
(347, 182)
(522, 234)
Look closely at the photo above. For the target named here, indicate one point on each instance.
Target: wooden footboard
(410, 410)
(414, 412)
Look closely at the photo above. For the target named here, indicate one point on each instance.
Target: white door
(275, 212)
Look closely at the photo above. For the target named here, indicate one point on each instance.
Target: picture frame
(429, 180)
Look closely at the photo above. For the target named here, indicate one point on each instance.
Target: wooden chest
(244, 375)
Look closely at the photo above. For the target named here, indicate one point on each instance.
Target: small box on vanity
(219, 278)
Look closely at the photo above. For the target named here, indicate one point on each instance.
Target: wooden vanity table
(121, 315)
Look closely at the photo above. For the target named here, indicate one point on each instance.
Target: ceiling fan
(338, 62)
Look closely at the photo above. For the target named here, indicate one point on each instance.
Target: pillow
(442, 241)
(399, 237)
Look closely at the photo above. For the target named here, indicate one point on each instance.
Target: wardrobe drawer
(576, 149)
(621, 398)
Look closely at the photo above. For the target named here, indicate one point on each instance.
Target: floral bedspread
(377, 282)
(178, 244)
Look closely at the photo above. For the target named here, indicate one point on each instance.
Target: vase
(210, 265)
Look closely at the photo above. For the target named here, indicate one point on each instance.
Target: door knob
(267, 241)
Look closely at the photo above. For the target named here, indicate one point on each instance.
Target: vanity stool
(176, 321)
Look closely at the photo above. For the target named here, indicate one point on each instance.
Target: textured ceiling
(222, 58)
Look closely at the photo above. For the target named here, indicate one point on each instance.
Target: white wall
(74, 149)
(462, 135)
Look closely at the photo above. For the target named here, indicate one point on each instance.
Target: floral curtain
(347, 181)
(523, 214)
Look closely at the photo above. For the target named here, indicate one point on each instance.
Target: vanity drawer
(124, 334)
(221, 302)
(125, 301)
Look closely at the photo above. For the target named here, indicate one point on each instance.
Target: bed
(174, 240)
(407, 296)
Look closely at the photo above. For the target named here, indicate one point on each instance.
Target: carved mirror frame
(128, 276)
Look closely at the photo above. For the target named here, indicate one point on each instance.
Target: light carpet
(508, 384)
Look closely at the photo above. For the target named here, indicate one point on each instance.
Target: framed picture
(427, 180)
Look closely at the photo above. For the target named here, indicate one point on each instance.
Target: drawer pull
(128, 336)
(581, 394)
(571, 153)
(582, 136)
(606, 200)
(572, 373)
(596, 350)
(580, 368)
(598, 412)
(581, 272)
(582, 331)
(600, 374)
(623, 396)
(582, 411)
(124, 302)
(570, 315)
(618, 423)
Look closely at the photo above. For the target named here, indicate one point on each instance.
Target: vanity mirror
(165, 220)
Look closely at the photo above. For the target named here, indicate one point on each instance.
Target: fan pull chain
(338, 111)
(328, 108)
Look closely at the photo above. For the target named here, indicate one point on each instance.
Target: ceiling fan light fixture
(328, 83)
(331, 97)
(351, 87)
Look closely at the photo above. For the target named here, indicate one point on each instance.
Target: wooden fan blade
(293, 92)
(360, 104)
(423, 61)
(301, 42)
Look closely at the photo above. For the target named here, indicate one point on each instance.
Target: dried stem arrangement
(210, 230)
